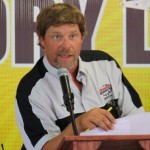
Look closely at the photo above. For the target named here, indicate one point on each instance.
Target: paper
(138, 124)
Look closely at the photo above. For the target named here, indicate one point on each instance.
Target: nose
(66, 43)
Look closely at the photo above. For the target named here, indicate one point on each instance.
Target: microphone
(67, 95)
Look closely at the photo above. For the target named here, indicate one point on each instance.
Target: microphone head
(62, 71)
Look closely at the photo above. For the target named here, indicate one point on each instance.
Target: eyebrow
(57, 32)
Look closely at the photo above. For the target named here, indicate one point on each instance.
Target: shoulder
(32, 77)
(93, 55)
(97, 55)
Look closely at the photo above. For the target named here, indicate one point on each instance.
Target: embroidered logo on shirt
(106, 91)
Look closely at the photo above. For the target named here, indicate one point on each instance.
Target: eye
(57, 37)
(73, 36)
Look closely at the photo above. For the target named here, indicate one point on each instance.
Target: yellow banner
(109, 38)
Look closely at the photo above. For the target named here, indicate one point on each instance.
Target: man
(95, 80)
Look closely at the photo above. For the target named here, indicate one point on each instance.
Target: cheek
(53, 46)
(78, 46)
(51, 50)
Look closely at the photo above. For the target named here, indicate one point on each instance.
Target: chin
(67, 65)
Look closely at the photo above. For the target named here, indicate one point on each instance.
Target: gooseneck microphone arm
(68, 96)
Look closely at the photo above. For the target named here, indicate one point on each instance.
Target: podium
(112, 142)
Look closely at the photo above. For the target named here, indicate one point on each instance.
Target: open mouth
(65, 56)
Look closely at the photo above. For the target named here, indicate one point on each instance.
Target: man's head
(61, 31)
(59, 14)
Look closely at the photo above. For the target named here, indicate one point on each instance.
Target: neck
(73, 73)
(74, 70)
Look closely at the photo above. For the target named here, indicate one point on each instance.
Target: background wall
(123, 33)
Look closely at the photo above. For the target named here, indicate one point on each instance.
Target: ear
(83, 38)
(41, 40)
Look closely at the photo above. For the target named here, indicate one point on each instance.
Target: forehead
(63, 28)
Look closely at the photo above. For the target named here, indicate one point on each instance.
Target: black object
(68, 96)
(23, 147)
(115, 111)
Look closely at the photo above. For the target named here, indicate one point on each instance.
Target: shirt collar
(81, 76)
(52, 70)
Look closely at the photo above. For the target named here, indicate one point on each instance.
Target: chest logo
(106, 91)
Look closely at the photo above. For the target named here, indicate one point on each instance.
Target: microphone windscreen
(64, 80)
(62, 71)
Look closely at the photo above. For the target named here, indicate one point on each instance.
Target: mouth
(66, 60)
(64, 56)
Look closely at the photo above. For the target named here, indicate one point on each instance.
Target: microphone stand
(69, 102)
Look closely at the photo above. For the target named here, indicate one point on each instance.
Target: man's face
(62, 45)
